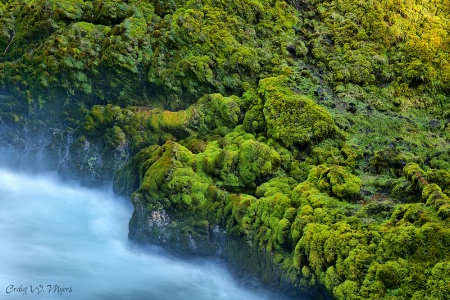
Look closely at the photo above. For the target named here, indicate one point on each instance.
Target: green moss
(438, 283)
(392, 161)
(291, 118)
(167, 121)
(98, 50)
(415, 174)
(212, 112)
(337, 181)
(254, 120)
(383, 44)
(441, 178)
(317, 139)
(256, 160)
(390, 273)
(204, 39)
(275, 185)
(355, 250)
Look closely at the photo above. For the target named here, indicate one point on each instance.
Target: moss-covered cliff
(165, 53)
(306, 141)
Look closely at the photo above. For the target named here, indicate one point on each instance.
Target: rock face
(50, 139)
(156, 227)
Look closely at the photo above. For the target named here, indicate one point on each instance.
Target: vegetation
(139, 52)
(314, 133)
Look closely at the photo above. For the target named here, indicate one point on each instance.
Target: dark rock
(352, 108)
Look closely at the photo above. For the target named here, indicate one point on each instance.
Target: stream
(62, 241)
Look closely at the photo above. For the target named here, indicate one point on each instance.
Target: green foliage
(337, 181)
(356, 249)
(402, 44)
(291, 118)
(76, 49)
(168, 170)
(256, 159)
(317, 138)
(254, 120)
(212, 113)
(432, 194)
(438, 284)
(140, 52)
(284, 185)
(392, 161)
(138, 127)
(239, 161)
(114, 123)
(329, 242)
(210, 47)
(441, 178)
(161, 121)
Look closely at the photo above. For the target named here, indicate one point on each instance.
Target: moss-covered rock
(313, 237)
(385, 42)
(336, 181)
(139, 52)
(291, 118)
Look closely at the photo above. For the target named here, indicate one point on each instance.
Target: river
(61, 241)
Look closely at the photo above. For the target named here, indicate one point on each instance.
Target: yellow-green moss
(291, 118)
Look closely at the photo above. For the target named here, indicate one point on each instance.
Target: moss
(441, 178)
(438, 283)
(73, 57)
(161, 121)
(337, 181)
(256, 160)
(444, 211)
(392, 161)
(212, 112)
(390, 273)
(115, 123)
(378, 210)
(415, 174)
(116, 138)
(315, 139)
(331, 242)
(97, 51)
(275, 185)
(360, 48)
(291, 118)
(205, 38)
(129, 178)
(196, 145)
(254, 120)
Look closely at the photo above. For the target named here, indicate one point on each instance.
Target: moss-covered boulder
(336, 181)
(291, 118)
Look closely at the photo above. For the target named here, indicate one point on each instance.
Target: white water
(75, 239)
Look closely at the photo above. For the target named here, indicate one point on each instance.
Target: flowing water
(66, 242)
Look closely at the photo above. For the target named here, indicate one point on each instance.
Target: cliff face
(306, 141)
